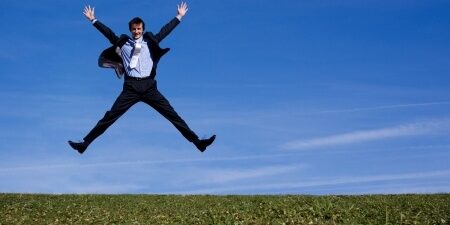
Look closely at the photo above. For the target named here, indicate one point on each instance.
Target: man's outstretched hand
(89, 12)
(182, 9)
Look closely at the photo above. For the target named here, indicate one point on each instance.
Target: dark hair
(136, 20)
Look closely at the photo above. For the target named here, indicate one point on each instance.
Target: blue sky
(306, 97)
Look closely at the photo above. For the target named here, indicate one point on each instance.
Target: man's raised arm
(89, 12)
(181, 12)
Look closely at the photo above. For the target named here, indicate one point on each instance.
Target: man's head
(137, 27)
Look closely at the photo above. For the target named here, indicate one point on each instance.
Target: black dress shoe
(202, 144)
(79, 146)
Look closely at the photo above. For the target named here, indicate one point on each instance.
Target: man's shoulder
(124, 36)
(149, 36)
(123, 39)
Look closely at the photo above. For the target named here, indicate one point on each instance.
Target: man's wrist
(179, 17)
(93, 21)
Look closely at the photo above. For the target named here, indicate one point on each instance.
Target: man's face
(136, 30)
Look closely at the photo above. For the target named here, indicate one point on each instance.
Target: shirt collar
(139, 40)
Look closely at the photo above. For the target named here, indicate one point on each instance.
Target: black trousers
(134, 91)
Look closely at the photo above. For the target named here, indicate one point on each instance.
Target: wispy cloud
(101, 188)
(383, 107)
(273, 187)
(254, 117)
(148, 162)
(368, 135)
(226, 176)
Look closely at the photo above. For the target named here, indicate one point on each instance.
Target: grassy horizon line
(26, 208)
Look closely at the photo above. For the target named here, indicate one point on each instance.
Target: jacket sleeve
(108, 33)
(166, 29)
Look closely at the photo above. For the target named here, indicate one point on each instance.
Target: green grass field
(232, 209)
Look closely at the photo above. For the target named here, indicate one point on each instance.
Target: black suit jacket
(110, 57)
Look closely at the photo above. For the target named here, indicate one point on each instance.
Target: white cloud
(77, 166)
(254, 117)
(368, 135)
(226, 176)
(382, 107)
(323, 182)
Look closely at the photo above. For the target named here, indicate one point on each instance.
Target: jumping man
(136, 59)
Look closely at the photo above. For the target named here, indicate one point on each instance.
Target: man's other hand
(182, 9)
(89, 12)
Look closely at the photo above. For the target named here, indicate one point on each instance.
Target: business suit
(109, 57)
(138, 86)
(135, 90)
